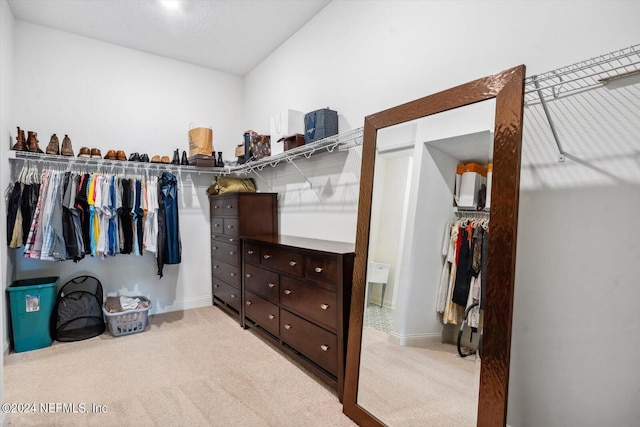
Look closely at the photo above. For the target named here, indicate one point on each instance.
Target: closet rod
(97, 163)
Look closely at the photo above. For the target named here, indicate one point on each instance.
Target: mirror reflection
(428, 243)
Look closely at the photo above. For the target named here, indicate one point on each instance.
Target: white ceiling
(232, 36)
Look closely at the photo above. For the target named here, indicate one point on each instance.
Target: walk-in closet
(255, 319)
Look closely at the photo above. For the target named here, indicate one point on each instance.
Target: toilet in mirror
(433, 287)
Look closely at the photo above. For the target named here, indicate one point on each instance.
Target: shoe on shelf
(54, 145)
(184, 161)
(20, 143)
(111, 155)
(120, 155)
(32, 142)
(144, 158)
(134, 157)
(156, 159)
(176, 158)
(165, 159)
(67, 149)
(84, 152)
(95, 153)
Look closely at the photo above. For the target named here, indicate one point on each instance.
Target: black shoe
(184, 160)
(144, 158)
(134, 157)
(176, 158)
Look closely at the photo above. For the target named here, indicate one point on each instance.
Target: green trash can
(31, 303)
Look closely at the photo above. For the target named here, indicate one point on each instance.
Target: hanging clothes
(169, 244)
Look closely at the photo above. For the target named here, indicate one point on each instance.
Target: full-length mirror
(431, 307)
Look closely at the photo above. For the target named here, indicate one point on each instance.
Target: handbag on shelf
(284, 124)
(259, 146)
(200, 141)
(320, 124)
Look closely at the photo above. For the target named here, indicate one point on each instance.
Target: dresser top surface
(305, 243)
(243, 194)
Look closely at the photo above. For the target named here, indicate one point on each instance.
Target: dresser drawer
(262, 282)
(227, 272)
(225, 251)
(281, 260)
(251, 252)
(227, 293)
(321, 270)
(314, 342)
(262, 312)
(317, 303)
(231, 226)
(224, 206)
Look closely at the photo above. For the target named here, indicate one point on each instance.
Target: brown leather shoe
(165, 159)
(111, 155)
(32, 142)
(156, 159)
(96, 154)
(84, 152)
(54, 146)
(67, 149)
(120, 155)
(20, 143)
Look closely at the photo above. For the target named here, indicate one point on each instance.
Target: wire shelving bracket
(579, 77)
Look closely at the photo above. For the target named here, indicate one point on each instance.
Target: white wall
(362, 57)
(109, 97)
(6, 114)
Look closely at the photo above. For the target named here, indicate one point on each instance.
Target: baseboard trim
(414, 340)
(5, 348)
(187, 304)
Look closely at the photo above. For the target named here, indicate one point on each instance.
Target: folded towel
(129, 303)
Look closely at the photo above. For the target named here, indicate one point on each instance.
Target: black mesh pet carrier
(78, 311)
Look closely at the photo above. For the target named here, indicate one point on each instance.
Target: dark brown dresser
(297, 293)
(232, 216)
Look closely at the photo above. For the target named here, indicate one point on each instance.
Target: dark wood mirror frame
(507, 88)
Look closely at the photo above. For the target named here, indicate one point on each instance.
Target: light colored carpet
(412, 386)
(191, 368)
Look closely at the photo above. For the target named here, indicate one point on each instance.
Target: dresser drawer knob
(318, 269)
(232, 274)
(266, 256)
(287, 291)
(292, 263)
(247, 275)
(287, 326)
(271, 317)
(248, 302)
(232, 240)
(272, 285)
(229, 227)
(324, 306)
(216, 266)
(215, 206)
(216, 286)
(213, 236)
(229, 206)
(324, 347)
(215, 248)
(250, 252)
(232, 252)
(232, 295)
(216, 225)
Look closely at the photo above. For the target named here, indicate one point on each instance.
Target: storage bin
(469, 179)
(128, 321)
(31, 303)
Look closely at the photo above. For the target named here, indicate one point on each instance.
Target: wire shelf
(581, 76)
(343, 140)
